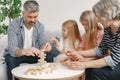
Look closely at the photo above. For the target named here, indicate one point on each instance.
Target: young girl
(70, 39)
(94, 30)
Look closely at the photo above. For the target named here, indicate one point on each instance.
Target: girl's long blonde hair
(73, 33)
(92, 24)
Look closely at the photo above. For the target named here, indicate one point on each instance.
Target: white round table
(61, 72)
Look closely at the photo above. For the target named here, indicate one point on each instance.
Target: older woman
(104, 67)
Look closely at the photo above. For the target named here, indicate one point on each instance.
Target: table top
(61, 72)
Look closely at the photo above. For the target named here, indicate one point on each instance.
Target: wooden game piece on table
(44, 67)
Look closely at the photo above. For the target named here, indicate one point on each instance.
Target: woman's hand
(76, 65)
(74, 56)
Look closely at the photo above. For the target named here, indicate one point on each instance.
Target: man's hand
(28, 52)
(32, 52)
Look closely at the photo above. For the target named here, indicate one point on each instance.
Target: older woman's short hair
(107, 9)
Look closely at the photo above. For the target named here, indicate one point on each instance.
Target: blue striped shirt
(110, 42)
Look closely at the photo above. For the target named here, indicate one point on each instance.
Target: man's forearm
(20, 52)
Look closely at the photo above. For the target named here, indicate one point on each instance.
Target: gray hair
(117, 16)
(107, 9)
(31, 6)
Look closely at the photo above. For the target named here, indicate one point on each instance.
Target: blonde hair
(92, 24)
(73, 32)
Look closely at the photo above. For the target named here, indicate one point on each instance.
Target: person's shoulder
(17, 20)
(16, 23)
(39, 25)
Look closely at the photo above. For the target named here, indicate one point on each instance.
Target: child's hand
(61, 58)
(54, 40)
(47, 47)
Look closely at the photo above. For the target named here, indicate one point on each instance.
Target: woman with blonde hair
(93, 30)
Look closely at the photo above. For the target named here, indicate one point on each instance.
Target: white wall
(54, 12)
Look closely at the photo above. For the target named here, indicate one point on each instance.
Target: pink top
(98, 38)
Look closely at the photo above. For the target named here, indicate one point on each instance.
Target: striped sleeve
(110, 42)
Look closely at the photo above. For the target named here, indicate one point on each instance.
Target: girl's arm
(82, 55)
(55, 41)
(88, 53)
(87, 64)
(58, 44)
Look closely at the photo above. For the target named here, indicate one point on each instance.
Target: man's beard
(30, 23)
